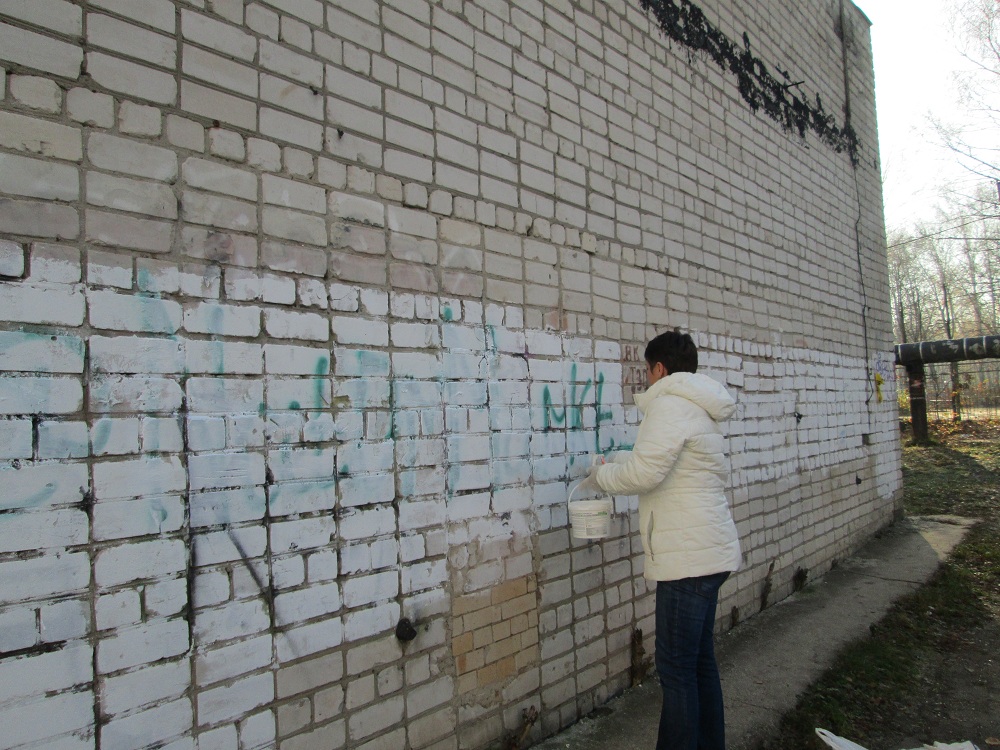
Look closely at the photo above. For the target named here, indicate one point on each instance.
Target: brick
(35, 219)
(45, 720)
(216, 105)
(217, 35)
(220, 71)
(40, 52)
(130, 40)
(34, 178)
(156, 13)
(220, 178)
(129, 78)
(54, 15)
(232, 701)
(219, 212)
(131, 157)
(150, 642)
(124, 194)
(128, 232)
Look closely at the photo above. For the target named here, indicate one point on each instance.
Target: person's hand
(590, 481)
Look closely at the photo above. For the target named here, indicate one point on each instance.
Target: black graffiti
(684, 22)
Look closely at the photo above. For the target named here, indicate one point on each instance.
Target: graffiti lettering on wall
(884, 370)
(684, 22)
(633, 369)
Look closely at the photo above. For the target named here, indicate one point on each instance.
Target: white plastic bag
(839, 743)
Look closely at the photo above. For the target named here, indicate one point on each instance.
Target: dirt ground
(957, 695)
(957, 698)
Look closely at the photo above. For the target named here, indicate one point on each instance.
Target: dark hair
(674, 350)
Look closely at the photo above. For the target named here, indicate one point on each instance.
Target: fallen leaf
(992, 741)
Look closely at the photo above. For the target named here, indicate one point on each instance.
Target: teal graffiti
(571, 415)
(573, 412)
(447, 315)
(102, 433)
(322, 367)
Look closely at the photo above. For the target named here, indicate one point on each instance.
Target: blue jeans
(692, 717)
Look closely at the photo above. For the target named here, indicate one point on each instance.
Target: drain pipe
(914, 356)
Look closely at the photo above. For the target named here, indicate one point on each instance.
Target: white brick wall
(309, 315)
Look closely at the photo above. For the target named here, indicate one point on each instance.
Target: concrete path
(768, 661)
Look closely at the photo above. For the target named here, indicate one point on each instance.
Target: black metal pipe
(950, 350)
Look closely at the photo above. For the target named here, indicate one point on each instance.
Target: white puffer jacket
(679, 470)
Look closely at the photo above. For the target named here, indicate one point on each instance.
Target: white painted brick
(288, 498)
(45, 530)
(24, 133)
(18, 440)
(115, 436)
(165, 721)
(132, 562)
(123, 194)
(212, 548)
(364, 623)
(227, 507)
(220, 178)
(18, 629)
(90, 107)
(296, 360)
(132, 79)
(215, 105)
(139, 119)
(290, 464)
(65, 620)
(36, 92)
(36, 219)
(220, 71)
(134, 394)
(138, 477)
(45, 720)
(291, 128)
(227, 320)
(35, 178)
(308, 603)
(11, 259)
(291, 325)
(41, 395)
(40, 52)
(218, 211)
(282, 192)
(33, 352)
(224, 470)
(130, 40)
(131, 354)
(353, 208)
(221, 357)
(351, 330)
(231, 701)
(139, 517)
(156, 13)
(222, 395)
(131, 157)
(230, 661)
(161, 435)
(53, 15)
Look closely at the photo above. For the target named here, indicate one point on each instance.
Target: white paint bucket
(590, 519)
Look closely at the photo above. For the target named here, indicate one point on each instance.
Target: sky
(915, 57)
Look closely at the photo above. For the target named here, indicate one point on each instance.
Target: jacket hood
(701, 390)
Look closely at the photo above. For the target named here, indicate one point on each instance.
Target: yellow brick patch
(495, 633)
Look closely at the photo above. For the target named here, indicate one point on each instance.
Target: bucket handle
(579, 484)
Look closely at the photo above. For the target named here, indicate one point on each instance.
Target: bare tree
(973, 138)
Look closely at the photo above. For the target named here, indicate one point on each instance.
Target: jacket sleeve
(656, 448)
